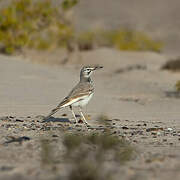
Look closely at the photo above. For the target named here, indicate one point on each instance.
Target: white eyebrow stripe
(89, 69)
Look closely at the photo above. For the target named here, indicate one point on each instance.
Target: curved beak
(97, 67)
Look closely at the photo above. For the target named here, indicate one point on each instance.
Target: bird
(80, 95)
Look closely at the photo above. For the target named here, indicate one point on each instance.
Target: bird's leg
(73, 114)
(84, 119)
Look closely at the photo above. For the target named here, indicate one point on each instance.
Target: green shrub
(67, 4)
(177, 86)
(127, 40)
(133, 40)
(172, 65)
(33, 24)
(41, 25)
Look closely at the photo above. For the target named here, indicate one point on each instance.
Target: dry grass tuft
(34, 24)
(47, 154)
(88, 153)
(122, 39)
(177, 86)
(172, 65)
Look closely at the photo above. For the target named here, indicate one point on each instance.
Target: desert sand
(131, 90)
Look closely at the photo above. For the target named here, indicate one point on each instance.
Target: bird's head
(86, 71)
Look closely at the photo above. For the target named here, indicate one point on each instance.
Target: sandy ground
(130, 90)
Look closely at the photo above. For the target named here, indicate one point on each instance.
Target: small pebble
(135, 141)
(54, 135)
(141, 133)
(169, 129)
(153, 133)
(69, 128)
(144, 137)
(124, 127)
(19, 120)
(77, 125)
(116, 119)
(154, 129)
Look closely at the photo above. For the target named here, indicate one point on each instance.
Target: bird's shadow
(53, 119)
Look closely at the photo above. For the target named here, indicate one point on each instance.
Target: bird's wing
(79, 91)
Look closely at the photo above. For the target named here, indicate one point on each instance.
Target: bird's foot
(89, 126)
(73, 122)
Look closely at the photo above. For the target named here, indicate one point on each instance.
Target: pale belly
(83, 102)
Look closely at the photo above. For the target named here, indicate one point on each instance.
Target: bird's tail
(52, 112)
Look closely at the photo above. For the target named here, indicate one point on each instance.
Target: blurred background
(160, 19)
(140, 25)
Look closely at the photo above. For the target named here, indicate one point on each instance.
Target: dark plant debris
(11, 139)
(131, 68)
(172, 65)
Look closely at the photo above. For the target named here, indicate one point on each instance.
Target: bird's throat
(85, 79)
